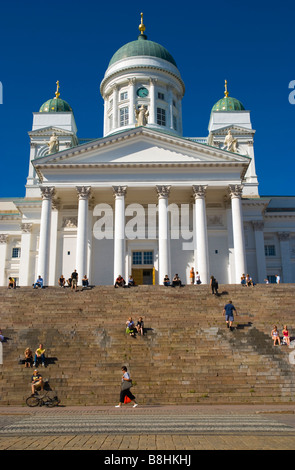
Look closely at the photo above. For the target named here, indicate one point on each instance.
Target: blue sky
(250, 44)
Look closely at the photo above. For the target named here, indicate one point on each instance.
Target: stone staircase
(187, 356)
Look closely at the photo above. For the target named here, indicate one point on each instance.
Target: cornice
(139, 67)
(123, 136)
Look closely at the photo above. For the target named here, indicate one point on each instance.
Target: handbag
(126, 385)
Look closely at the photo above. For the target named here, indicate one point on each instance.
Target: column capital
(258, 225)
(119, 190)
(132, 81)
(163, 191)
(26, 228)
(235, 190)
(153, 80)
(199, 191)
(47, 192)
(83, 192)
(3, 238)
(284, 236)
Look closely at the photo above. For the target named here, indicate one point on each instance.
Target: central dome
(142, 47)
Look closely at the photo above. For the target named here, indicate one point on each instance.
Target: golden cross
(225, 89)
(57, 94)
(141, 26)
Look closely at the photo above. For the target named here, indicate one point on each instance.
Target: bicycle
(49, 399)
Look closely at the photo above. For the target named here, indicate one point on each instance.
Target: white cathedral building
(144, 200)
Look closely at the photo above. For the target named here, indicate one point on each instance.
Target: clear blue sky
(250, 44)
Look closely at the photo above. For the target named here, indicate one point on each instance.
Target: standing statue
(141, 116)
(230, 142)
(53, 144)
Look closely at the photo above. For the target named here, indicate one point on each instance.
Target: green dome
(142, 47)
(228, 104)
(55, 105)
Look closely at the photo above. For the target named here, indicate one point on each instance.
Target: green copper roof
(142, 47)
(228, 104)
(55, 105)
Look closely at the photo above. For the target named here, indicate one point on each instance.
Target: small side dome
(228, 103)
(55, 105)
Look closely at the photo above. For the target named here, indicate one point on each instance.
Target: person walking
(228, 311)
(125, 389)
(214, 285)
(192, 276)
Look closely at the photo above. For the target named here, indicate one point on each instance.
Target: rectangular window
(161, 96)
(110, 122)
(136, 257)
(124, 116)
(15, 252)
(270, 250)
(175, 123)
(124, 95)
(148, 257)
(161, 117)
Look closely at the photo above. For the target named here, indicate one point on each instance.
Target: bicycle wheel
(50, 402)
(32, 401)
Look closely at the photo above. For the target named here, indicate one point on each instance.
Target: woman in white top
(125, 392)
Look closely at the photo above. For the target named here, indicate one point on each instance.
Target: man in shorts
(74, 280)
(37, 382)
(228, 311)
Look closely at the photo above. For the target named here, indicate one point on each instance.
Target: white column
(285, 256)
(238, 231)
(170, 107)
(90, 239)
(259, 245)
(152, 110)
(24, 266)
(3, 252)
(53, 275)
(47, 194)
(163, 194)
(119, 236)
(131, 96)
(115, 106)
(202, 262)
(82, 237)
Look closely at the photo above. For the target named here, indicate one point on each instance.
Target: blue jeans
(39, 358)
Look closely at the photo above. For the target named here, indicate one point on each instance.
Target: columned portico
(24, 268)
(238, 231)
(3, 254)
(285, 256)
(163, 195)
(259, 245)
(47, 194)
(200, 231)
(82, 231)
(119, 235)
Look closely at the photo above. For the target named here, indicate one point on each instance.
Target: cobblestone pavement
(148, 428)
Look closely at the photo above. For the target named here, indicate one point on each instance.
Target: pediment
(235, 130)
(140, 147)
(48, 131)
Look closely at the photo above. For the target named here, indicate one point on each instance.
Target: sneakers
(134, 406)
(117, 406)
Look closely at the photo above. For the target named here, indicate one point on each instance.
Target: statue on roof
(53, 144)
(141, 116)
(230, 142)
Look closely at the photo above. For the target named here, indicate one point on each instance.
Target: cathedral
(144, 200)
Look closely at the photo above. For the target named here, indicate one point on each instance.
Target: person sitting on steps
(37, 382)
(39, 355)
(275, 336)
(120, 282)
